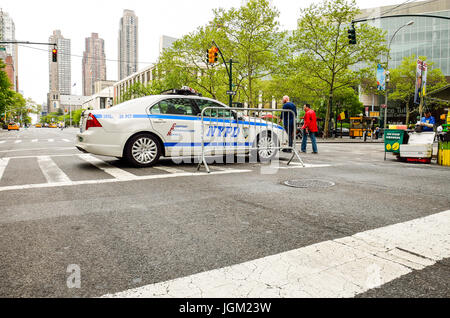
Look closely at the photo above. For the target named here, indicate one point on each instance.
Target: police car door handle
(159, 121)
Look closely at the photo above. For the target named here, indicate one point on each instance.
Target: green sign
(393, 138)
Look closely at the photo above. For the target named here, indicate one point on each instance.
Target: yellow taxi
(13, 126)
(53, 126)
(38, 126)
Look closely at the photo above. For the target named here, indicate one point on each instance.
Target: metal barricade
(235, 131)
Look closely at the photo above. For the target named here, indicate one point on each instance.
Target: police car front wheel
(143, 150)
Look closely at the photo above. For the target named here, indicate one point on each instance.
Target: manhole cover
(309, 183)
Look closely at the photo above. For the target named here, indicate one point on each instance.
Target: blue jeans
(313, 141)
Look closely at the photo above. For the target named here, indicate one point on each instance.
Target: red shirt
(310, 121)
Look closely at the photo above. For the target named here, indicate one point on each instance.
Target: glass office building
(428, 36)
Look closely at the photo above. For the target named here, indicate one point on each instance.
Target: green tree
(248, 34)
(6, 94)
(252, 37)
(18, 109)
(403, 82)
(347, 99)
(321, 40)
(76, 116)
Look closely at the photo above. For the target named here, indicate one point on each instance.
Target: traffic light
(352, 35)
(213, 55)
(55, 55)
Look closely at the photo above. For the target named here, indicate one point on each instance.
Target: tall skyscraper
(94, 64)
(128, 44)
(9, 51)
(59, 72)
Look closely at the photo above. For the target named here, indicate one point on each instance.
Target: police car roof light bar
(183, 91)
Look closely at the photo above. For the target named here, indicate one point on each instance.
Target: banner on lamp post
(419, 81)
(424, 79)
(381, 78)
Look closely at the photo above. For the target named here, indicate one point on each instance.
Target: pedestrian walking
(309, 128)
(377, 133)
(289, 121)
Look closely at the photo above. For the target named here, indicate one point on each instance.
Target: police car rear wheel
(143, 150)
(267, 148)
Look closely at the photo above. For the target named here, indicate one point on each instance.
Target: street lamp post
(387, 71)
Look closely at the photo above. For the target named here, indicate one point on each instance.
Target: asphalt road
(169, 222)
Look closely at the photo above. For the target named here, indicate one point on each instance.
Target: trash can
(393, 138)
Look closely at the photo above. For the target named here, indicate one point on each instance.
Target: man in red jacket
(309, 128)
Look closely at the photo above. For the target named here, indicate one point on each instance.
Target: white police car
(170, 125)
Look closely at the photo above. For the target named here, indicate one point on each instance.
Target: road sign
(231, 93)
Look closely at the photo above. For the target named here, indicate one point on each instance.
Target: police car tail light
(92, 122)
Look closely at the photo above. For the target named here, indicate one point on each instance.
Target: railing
(233, 131)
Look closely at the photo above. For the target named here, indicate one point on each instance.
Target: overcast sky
(35, 21)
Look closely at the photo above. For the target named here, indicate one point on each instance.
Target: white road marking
(26, 157)
(106, 167)
(338, 268)
(51, 171)
(66, 140)
(34, 140)
(136, 178)
(33, 149)
(51, 140)
(18, 141)
(2, 141)
(3, 164)
(168, 169)
(299, 166)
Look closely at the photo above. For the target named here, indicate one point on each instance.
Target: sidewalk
(346, 140)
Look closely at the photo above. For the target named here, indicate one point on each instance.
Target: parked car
(143, 129)
(345, 132)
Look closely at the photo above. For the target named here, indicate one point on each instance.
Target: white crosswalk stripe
(106, 167)
(3, 165)
(56, 177)
(343, 267)
(13, 140)
(51, 171)
(168, 169)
